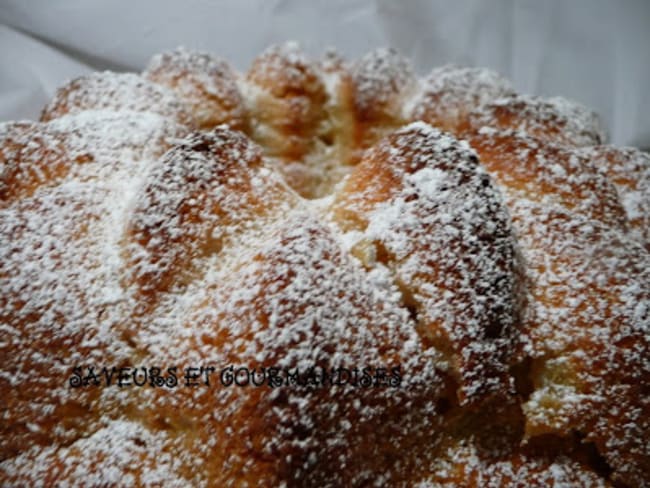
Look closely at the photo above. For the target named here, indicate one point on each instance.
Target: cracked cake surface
(321, 272)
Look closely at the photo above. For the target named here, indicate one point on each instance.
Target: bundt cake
(321, 273)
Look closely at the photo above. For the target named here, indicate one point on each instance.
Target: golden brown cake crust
(487, 288)
(206, 84)
(420, 205)
(115, 91)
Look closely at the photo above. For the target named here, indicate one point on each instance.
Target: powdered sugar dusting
(502, 282)
(629, 170)
(590, 330)
(197, 196)
(207, 84)
(553, 120)
(450, 92)
(115, 91)
(465, 461)
(526, 167)
(138, 459)
(292, 299)
(382, 78)
(440, 203)
(90, 144)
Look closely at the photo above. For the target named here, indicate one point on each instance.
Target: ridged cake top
(320, 273)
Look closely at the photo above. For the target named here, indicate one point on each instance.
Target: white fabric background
(594, 51)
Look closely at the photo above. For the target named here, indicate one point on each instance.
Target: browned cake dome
(321, 273)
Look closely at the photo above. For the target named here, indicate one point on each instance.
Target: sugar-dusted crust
(449, 93)
(312, 214)
(116, 91)
(468, 466)
(629, 170)
(383, 82)
(551, 120)
(420, 206)
(45, 154)
(301, 116)
(590, 290)
(206, 84)
(551, 174)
